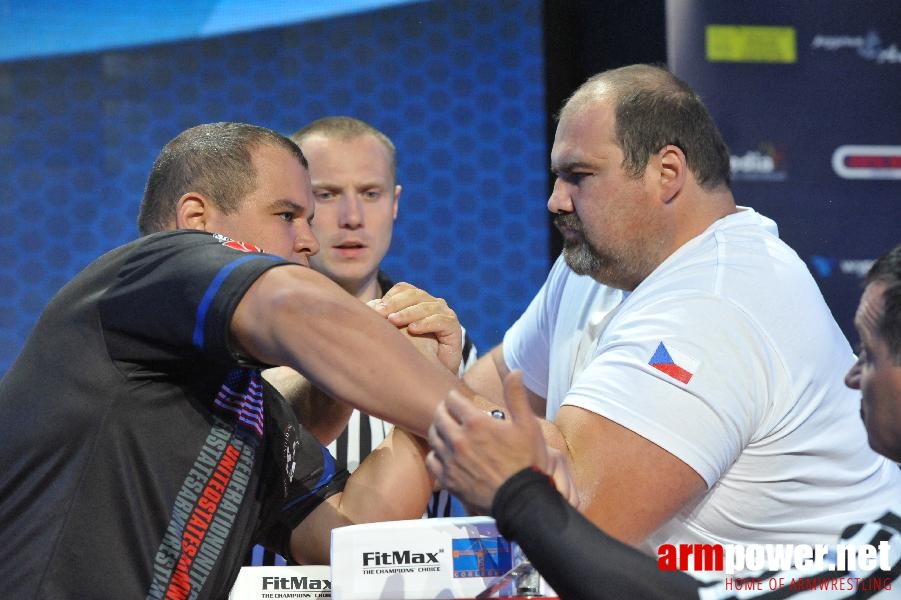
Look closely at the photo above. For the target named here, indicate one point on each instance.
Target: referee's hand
(473, 453)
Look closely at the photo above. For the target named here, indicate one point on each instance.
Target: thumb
(517, 399)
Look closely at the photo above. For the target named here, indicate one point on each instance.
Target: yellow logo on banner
(751, 43)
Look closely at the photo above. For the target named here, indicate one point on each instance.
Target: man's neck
(368, 290)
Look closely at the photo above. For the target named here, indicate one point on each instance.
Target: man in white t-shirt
(689, 366)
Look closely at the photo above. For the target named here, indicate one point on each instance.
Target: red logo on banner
(867, 162)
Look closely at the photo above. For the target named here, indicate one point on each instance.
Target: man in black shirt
(141, 452)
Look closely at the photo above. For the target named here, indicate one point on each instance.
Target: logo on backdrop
(765, 163)
(825, 267)
(869, 47)
(867, 162)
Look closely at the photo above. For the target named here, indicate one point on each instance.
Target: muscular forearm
(486, 376)
(391, 484)
(321, 415)
(295, 317)
(576, 558)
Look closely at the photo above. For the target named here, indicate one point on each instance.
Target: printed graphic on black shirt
(210, 498)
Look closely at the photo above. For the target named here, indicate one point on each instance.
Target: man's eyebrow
(326, 185)
(286, 204)
(569, 166)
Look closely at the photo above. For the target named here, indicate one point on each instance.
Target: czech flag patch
(677, 365)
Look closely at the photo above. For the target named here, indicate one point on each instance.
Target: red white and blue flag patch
(674, 363)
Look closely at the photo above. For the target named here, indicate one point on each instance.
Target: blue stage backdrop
(457, 84)
(808, 96)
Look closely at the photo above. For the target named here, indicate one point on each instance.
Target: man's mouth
(350, 249)
(569, 225)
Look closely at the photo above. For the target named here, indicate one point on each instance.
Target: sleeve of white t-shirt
(527, 344)
(687, 372)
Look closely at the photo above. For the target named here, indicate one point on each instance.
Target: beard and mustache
(581, 256)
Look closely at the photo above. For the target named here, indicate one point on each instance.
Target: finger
(399, 288)
(378, 306)
(435, 467)
(432, 436)
(445, 324)
(404, 295)
(460, 408)
(420, 310)
(438, 430)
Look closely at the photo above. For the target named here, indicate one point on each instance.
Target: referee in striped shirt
(353, 169)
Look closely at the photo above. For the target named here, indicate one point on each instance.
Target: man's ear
(673, 171)
(192, 212)
(397, 191)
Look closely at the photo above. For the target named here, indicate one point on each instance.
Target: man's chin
(579, 261)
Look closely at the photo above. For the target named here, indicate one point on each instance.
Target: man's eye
(372, 194)
(572, 178)
(287, 216)
(323, 196)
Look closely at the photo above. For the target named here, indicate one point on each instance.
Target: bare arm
(486, 378)
(473, 454)
(624, 484)
(412, 310)
(322, 416)
(295, 317)
(628, 486)
(391, 484)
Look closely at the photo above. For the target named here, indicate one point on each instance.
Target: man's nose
(852, 377)
(305, 241)
(560, 200)
(351, 212)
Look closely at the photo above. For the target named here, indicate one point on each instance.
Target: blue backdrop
(457, 84)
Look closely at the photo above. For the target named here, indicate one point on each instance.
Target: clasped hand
(429, 322)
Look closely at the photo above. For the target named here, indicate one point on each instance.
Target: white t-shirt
(727, 357)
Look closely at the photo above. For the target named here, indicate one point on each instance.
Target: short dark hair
(346, 128)
(887, 269)
(215, 160)
(653, 108)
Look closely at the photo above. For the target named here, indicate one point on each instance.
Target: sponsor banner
(814, 141)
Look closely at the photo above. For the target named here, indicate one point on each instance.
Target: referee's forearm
(576, 558)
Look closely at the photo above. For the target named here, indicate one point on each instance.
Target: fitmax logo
(405, 557)
(295, 583)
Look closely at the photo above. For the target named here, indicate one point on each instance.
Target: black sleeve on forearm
(575, 557)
